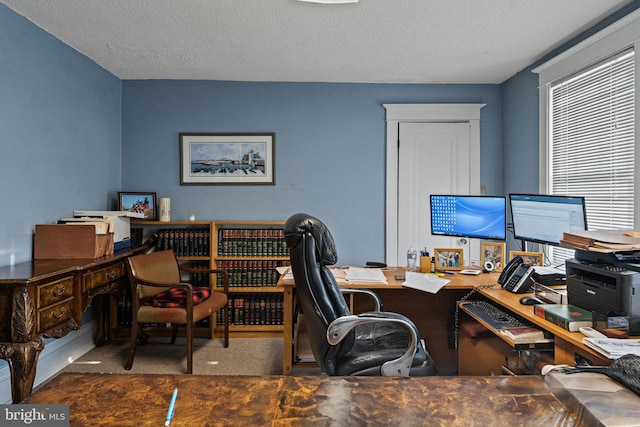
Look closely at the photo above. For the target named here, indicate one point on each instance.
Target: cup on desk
(425, 264)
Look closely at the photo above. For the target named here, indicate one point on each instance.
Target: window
(587, 126)
(591, 142)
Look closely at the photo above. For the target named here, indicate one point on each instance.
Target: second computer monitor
(544, 218)
(482, 217)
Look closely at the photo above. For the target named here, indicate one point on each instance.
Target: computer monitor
(544, 218)
(482, 217)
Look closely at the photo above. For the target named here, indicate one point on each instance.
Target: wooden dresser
(45, 298)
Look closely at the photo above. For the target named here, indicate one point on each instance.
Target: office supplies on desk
(471, 272)
(364, 275)
(172, 408)
(424, 282)
(613, 348)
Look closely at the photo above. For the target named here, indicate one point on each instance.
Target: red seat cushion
(176, 297)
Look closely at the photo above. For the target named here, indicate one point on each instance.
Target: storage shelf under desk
(566, 344)
(546, 344)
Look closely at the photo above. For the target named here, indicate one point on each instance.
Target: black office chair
(373, 343)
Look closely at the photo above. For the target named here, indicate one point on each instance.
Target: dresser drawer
(53, 314)
(53, 292)
(103, 276)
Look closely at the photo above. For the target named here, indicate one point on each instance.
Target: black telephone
(516, 276)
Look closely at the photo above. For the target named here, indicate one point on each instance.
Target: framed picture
(494, 252)
(138, 202)
(449, 258)
(529, 258)
(227, 158)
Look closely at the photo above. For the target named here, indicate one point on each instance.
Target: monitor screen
(482, 217)
(544, 218)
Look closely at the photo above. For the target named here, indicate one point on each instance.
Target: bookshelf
(249, 250)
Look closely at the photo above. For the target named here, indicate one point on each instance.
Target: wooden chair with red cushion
(159, 296)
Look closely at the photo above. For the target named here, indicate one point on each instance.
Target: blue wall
(330, 149)
(60, 133)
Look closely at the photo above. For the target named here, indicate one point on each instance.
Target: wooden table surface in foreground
(142, 400)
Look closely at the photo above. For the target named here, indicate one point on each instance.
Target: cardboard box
(61, 241)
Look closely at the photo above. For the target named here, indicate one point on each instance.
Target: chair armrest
(142, 282)
(373, 295)
(340, 327)
(224, 273)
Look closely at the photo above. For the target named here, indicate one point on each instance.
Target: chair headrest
(299, 224)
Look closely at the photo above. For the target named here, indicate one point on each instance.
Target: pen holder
(425, 264)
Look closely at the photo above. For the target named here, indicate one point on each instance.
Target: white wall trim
(621, 35)
(57, 354)
(421, 113)
(616, 37)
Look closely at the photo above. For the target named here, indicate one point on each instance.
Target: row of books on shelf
(252, 242)
(184, 241)
(258, 309)
(251, 273)
(254, 310)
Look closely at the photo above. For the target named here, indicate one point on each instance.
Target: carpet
(244, 356)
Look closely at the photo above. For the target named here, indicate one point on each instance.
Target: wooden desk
(45, 298)
(142, 400)
(566, 344)
(432, 313)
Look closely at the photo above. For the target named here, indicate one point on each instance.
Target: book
(524, 334)
(613, 348)
(566, 316)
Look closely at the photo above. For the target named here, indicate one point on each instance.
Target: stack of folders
(613, 348)
(602, 240)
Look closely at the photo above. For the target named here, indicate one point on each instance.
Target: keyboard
(493, 315)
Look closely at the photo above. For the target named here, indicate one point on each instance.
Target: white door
(433, 158)
(438, 152)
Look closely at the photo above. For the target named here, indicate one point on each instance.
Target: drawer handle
(59, 316)
(56, 293)
(111, 274)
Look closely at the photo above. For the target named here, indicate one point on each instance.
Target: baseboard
(57, 354)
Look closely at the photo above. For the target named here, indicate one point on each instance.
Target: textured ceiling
(377, 41)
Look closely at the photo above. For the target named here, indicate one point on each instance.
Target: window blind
(591, 142)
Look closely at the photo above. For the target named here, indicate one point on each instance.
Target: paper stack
(613, 348)
(602, 240)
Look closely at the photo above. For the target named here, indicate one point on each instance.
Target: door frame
(421, 113)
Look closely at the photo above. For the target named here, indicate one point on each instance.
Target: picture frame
(141, 202)
(449, 259)
(529, 258)
(493, 252)
(227, 158)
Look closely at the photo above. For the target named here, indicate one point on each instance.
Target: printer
(606, 285)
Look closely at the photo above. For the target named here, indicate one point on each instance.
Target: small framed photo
(529, 258)
(449, 258)
(227, 158)
(139, 202)
(493, 252)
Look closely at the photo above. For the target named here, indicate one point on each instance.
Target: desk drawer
(53, 292)
(103, 276)
(57, 313)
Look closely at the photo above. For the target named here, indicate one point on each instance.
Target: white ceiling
(375, 41)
